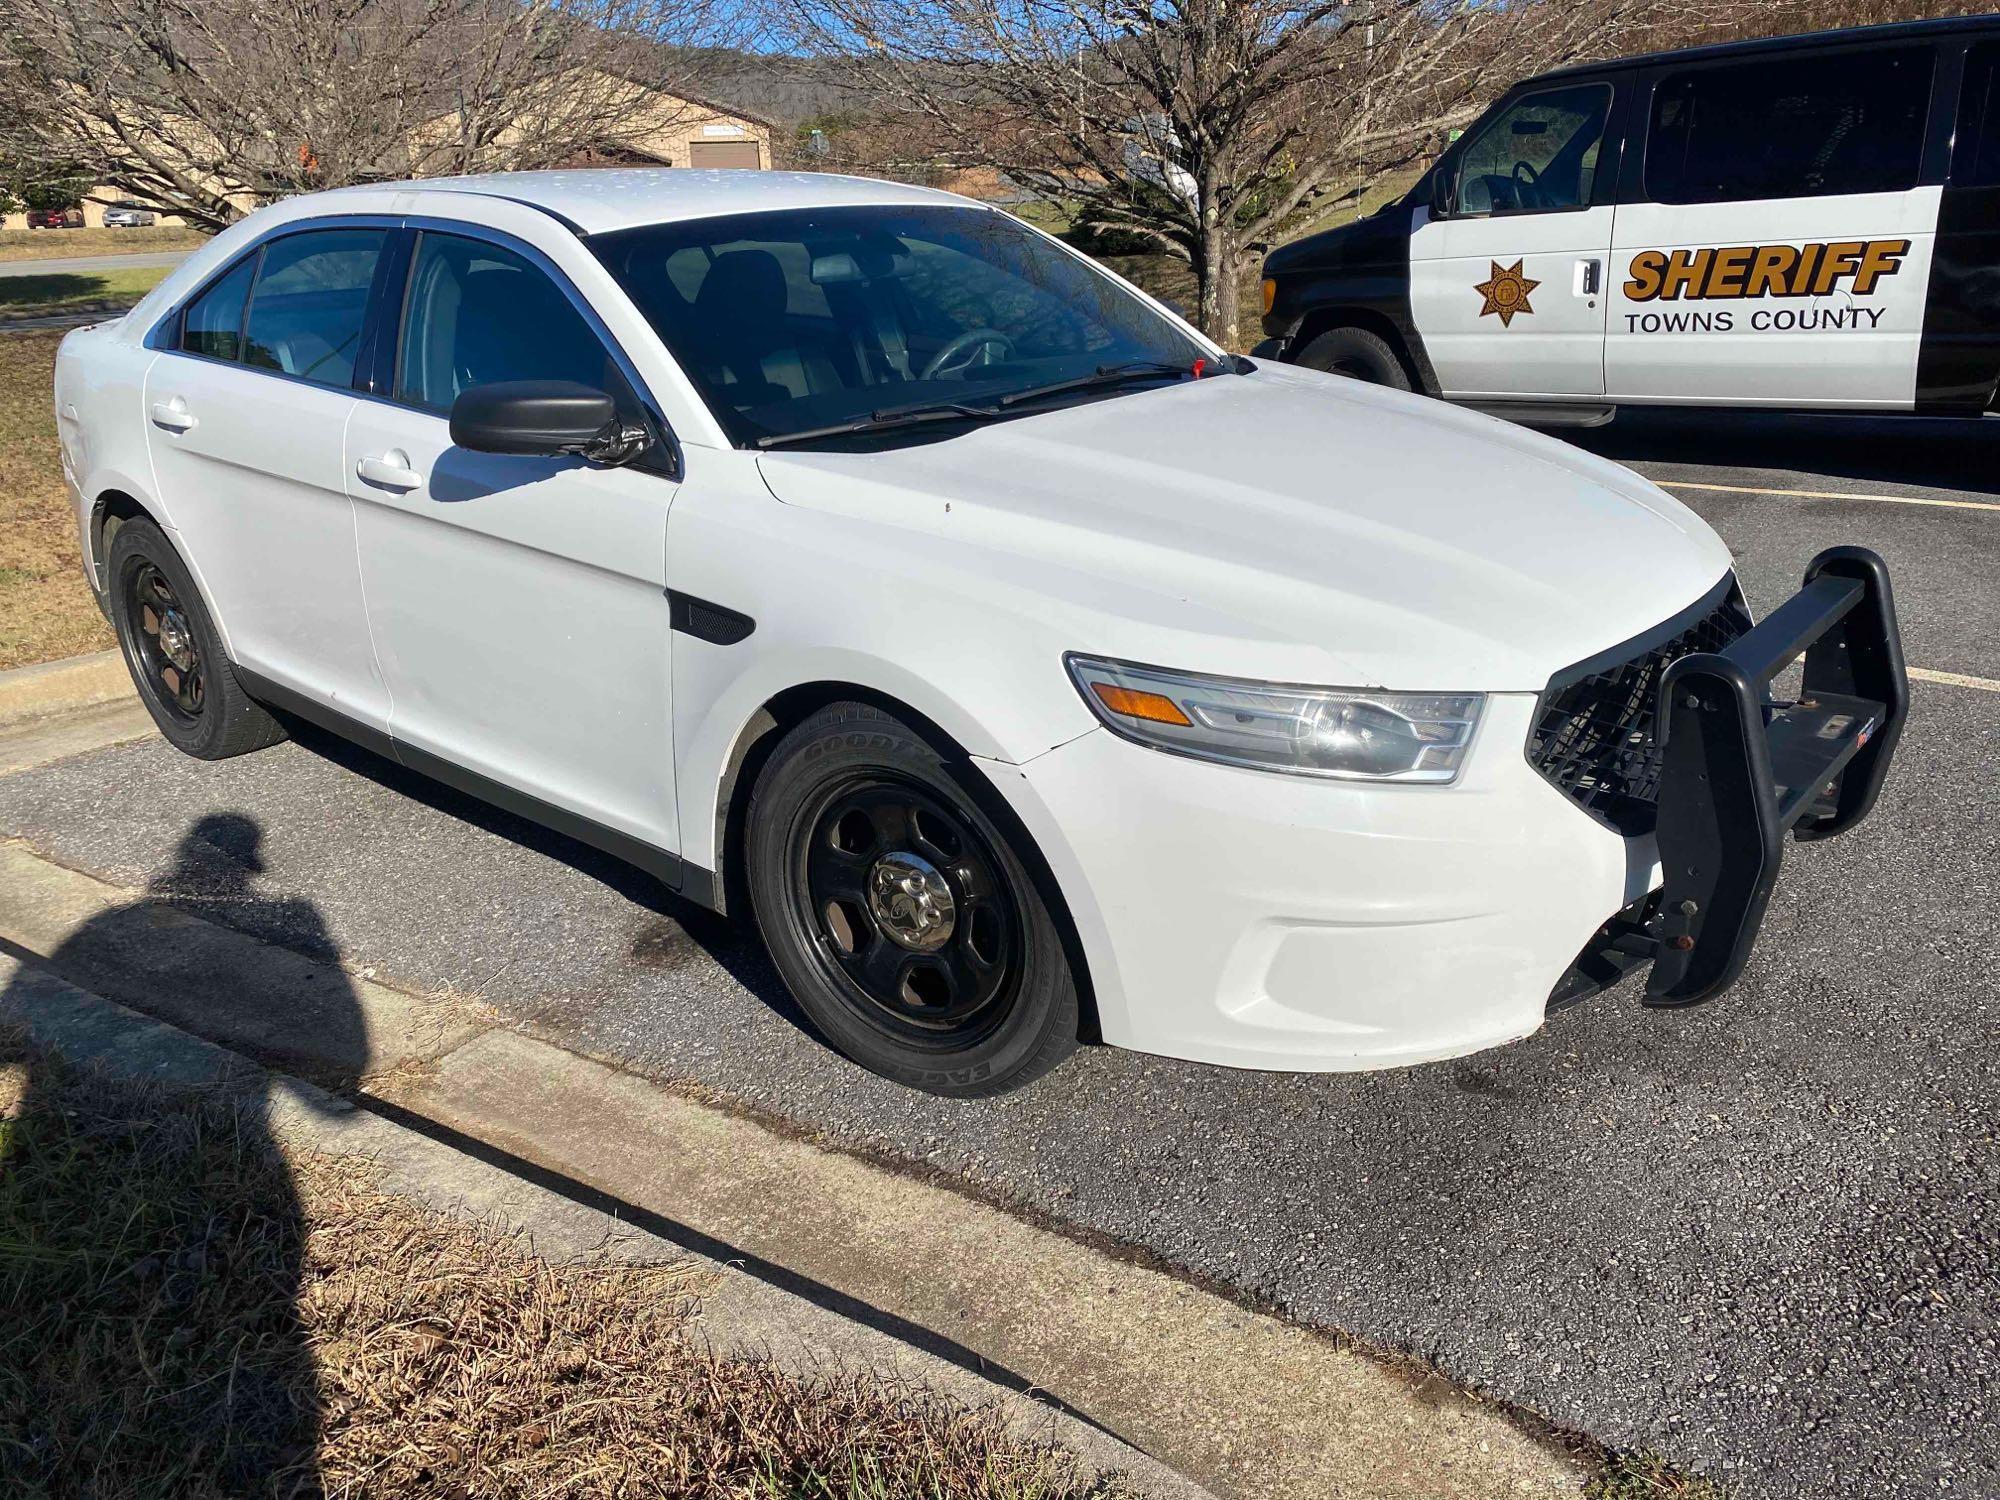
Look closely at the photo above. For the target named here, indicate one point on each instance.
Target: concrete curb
(739, 1314)
(62, 686)
(1246, 1403)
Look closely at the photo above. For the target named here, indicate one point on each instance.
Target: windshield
(792, 321)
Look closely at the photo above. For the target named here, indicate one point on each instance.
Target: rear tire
(898, 912)
(174, 652)
(1359, 355)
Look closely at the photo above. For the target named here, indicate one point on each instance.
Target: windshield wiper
(938, 411)
(887, 418)
(1103, 375)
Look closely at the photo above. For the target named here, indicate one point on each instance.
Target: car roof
(1894, 31)
(600, 200)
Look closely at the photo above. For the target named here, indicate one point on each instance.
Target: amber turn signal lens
(1270, 294)
(1134, 704)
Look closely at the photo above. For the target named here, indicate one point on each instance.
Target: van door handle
(391, 471)
(173, 415)
(1589, 273)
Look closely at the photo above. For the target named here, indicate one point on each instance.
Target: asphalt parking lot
(1760, 1236)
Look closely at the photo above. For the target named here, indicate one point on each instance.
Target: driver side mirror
(544, 418)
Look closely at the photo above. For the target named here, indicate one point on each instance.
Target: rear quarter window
(213, 326)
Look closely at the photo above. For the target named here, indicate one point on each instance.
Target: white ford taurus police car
(1808, 222)
(1031, 666)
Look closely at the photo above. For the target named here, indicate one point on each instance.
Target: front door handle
(173, 414)
(1588, 274)
(391, 471)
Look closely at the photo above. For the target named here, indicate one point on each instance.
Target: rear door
(1780, 247)
(1506, 286)
(247, 416)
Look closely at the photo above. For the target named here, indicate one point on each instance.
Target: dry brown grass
(46, 609)
(183, 1312)
(56, 244)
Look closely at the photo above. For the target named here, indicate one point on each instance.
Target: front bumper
(1269, 921)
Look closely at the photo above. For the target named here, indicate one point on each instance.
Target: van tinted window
(1975, 152)
(1800, 127)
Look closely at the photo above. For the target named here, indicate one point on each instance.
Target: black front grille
(1593, 735)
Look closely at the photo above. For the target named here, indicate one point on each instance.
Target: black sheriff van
(1803, 222)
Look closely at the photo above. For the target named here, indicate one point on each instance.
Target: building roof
(600, 199)
(1883, 35)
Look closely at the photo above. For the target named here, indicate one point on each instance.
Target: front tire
(174, 653)
(1359, 355)
(899, 914)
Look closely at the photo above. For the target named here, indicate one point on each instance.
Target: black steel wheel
(911, 911)
(167, 655)
(174, 653)
(900, 915)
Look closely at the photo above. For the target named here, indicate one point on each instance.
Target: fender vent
(707, 622)
(1593, 734)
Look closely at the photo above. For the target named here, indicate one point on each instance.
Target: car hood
(1290, 526)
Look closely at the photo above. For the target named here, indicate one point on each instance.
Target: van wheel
(899, 914)
(1357, 354)
(174, 654)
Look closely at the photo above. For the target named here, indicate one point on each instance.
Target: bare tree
(208, 108)
(1206, 126)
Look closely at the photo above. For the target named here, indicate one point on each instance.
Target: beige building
(655, 129)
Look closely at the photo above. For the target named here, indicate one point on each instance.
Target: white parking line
(1955, 679)
(1749, 489)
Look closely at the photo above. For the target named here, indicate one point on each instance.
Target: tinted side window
(1794, 128)
(214, 322)
(309, 303)
(1538, 156)
(478, 313)
(1975, 152)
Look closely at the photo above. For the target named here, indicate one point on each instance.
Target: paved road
(82, 264)
(1759, 1235)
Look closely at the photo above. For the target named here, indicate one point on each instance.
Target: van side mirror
(544, 418)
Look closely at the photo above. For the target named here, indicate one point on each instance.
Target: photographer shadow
(152, 1237)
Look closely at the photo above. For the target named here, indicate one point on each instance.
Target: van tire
(1357, 354)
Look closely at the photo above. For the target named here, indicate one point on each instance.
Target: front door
(1782, 248)
(246, 420)
(518, 603)
(1507, 286)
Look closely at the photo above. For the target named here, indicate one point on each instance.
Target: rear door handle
(173, 415)
(391, 471)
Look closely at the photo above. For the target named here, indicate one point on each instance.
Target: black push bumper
(1739, 771)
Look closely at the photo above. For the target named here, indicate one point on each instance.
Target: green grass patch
(53, 291)
(54, 244)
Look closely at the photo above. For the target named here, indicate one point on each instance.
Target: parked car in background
(1029, 666)
(128, 216)
(1808, 222)
(55, 218)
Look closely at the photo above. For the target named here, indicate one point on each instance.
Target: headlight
(1347, 732)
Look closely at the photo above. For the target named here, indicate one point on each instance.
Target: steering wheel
(1527, 181)
(957, 354)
